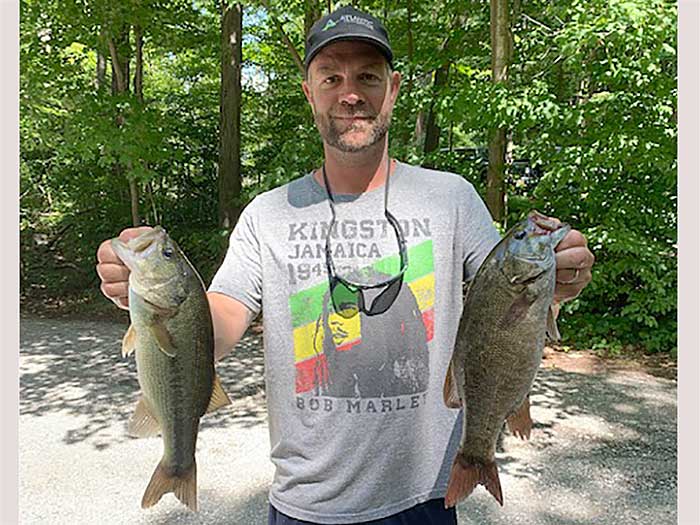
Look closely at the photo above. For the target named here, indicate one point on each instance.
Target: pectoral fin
(165, 342)
(552, 333)
(449, 390)
(517, 310)
(143, 423)
(129, 341)
(219, 398)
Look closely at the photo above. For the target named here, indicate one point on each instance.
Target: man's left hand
(574, 261)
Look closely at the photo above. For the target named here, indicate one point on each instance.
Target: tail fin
(466, 475)
(183, 485)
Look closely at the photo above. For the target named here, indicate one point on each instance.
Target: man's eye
(370, 78)
(330, 80)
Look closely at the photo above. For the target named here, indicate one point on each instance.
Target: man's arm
(231, 319)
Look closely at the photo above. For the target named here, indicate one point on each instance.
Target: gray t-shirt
(358, 426)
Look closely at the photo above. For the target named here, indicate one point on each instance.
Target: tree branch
(537, 22)
(116, 66)
(295, 54)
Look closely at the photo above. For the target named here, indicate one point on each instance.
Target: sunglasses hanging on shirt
(348, 298)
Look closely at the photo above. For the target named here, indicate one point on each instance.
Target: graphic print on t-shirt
(367, 356)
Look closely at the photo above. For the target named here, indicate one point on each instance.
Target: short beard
(334, 137)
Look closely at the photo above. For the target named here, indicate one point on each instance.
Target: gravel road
(603, 450)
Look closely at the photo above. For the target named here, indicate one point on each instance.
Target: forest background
(180, 112)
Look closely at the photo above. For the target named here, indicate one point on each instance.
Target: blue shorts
(432, 512)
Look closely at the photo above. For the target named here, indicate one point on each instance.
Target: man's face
(352, 94)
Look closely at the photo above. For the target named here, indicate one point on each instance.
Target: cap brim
(376, 42)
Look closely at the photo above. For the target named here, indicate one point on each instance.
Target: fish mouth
(141, 243)
(542, 223)
(137, 248)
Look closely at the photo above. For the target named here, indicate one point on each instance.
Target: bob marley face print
(372, 356)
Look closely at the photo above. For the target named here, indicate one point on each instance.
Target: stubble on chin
(333, 136)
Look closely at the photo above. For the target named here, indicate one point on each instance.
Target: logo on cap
(329, 25)
(353, 19)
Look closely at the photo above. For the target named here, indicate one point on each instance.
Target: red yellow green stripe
(307, 305)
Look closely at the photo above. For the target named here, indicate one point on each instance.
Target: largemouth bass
(172, 336)
(507, 315)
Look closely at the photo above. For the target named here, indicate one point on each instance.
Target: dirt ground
(589, 362)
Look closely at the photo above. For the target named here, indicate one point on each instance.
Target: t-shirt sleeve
(240, 275)
(479, 232)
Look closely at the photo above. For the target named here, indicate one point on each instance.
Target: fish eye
(520, 235)
(167, 253)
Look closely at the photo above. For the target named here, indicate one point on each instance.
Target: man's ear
(395, 85)
(307, 93)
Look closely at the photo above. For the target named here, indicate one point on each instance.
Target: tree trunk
(230, 115)
(138, 72)
(101, 69)
(406, 137)
(409, 35)
(501, 49)
(432, 130)
(120, 53)
(134, 193)
(138, 91)
(450, 135)
(419, 129)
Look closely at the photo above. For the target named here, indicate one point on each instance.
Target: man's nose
(350, 98)
(351, 94)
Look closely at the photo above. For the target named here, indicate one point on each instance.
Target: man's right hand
(113, 272)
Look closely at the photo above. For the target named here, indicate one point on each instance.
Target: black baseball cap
(347, 23)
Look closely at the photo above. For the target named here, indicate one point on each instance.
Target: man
(355, 236)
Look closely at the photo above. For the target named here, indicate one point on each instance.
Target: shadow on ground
(77, 368)
(215, 508)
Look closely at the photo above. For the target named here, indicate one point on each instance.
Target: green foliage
(609, 162)
(589, 106)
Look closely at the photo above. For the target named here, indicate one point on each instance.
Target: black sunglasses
(348, 298)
